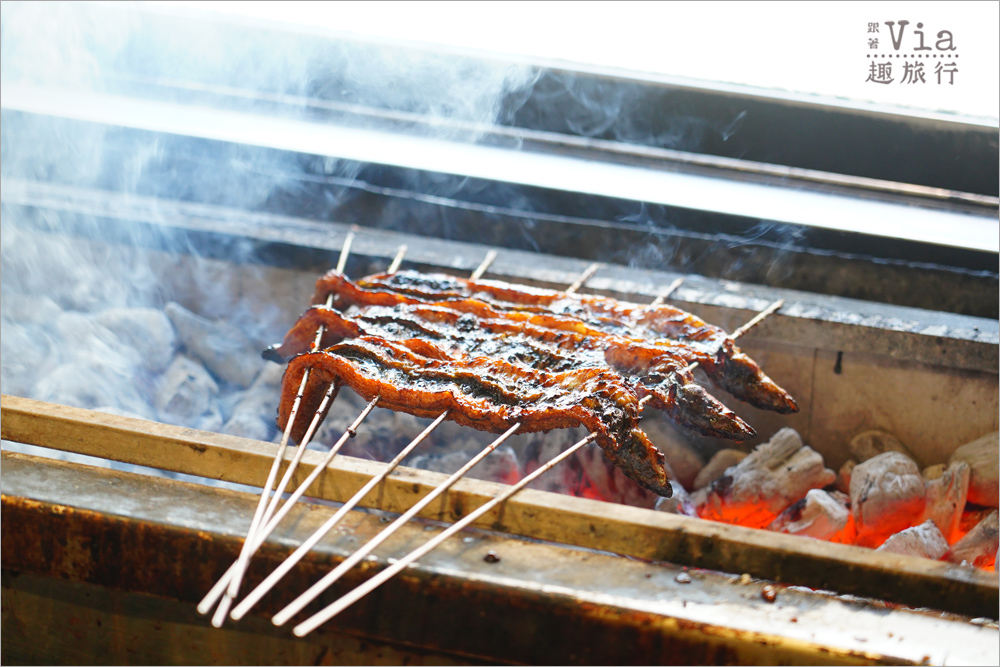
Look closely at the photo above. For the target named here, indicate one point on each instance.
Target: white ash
(500, 465)
(252, 413)
(980, 545)
(230, 355)
(945, 492)
(23, 355)
(716, 467)
(819, 515)
(682, 459)
(887, 495)
(186, 395)
(924, 540)
(146, 330)
(761, 486)
(844, 476)
(679, 503)
(91, 385)
(29, 310)
(983, 457)
(870, 444)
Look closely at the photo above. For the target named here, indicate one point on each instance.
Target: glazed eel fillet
(463, 330)
(418, 377)
(689, 337)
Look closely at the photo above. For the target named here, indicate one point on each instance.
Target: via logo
(945, 40)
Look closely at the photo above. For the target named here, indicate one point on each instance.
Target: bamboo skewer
(205, 606)
(754, 321)
(485, 264)
(397, 260)
(316, 589)
(584, 277)
(265, 508)
(269, 526)
(659, 301)
(347, 600)
(256, 594)
(256, 537)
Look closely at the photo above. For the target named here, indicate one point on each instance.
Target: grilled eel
(723, 362)
(467, 328)
(419, 377)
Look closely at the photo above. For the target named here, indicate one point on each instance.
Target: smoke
(115, 316)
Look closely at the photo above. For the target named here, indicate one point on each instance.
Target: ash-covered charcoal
(924, 540)
(23, 356)
(869, 444)
(221, 347)
(92, 384)
(887, 496)
(683, 460)
(146, 330)
(979, 546)
(983, 457)
(610, 482)
(250, 413)
(761, 486)
(820, 515)
(946, 490)
(187, 395)
(844, 476)
(500, 466)
(721, 461)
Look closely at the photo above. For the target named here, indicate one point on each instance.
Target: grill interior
(878, 331)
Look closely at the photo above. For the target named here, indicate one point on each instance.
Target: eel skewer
(356, 594)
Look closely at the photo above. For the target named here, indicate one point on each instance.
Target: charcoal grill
(99, 562)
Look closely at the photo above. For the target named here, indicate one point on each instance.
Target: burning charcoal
(820, 515)
(610, 482)
(980, 545)
(145, 330)
(684, 461)
(222, 348)
(887, 496)
(924, 540)
(945, 493)
(679, 503)
(982, 455)
(186, 396)
(717, 466)
(541, 447)
(844, 475)
(870, 444)
(500, 466)
(756, 490)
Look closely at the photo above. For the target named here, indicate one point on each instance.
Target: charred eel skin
(484, 393)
